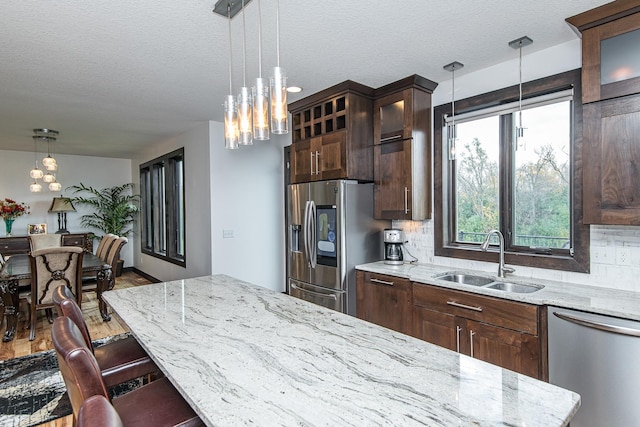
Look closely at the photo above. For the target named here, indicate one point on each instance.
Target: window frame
(444, 174)
(164, 202)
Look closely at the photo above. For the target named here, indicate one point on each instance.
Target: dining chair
(110, 255)
(42, 241)
(155, 404)
(119, 361)
(104, 245)
(50, 268)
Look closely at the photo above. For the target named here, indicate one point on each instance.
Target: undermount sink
(517, 288)
(466, 279)
(489, 283)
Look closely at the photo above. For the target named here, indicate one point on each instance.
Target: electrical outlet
(623, 256)
(227, 234)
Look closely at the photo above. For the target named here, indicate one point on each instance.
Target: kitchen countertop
(624, 304)
(246, 355)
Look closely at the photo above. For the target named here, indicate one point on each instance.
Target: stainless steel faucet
(502, 269)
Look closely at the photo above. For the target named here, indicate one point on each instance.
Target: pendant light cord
(259, 40)
(230, 49)
(278, 33)
(520, 88)
(244, 49)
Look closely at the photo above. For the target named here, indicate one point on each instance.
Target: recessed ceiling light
(294, 89)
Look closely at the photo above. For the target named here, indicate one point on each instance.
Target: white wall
(197, 198)
(97, 172)
(247, 197)
(615, 250)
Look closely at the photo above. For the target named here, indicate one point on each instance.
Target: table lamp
(62, 205)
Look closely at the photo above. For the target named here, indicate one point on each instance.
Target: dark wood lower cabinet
(510, 334)
(505, 333)
(385, 301)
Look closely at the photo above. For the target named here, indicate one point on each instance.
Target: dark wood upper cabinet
(333, 134)
(610, 50)
(402, 150)
(611, 112)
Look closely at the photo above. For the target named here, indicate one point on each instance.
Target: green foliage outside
(542, 210)
(114, 207)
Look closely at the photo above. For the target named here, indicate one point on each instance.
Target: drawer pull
(468, 307)
(382, 282)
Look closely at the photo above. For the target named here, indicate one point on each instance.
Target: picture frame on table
(37, 229)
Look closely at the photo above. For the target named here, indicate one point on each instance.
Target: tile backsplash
(615, 256)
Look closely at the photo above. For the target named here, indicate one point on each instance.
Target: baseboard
(142, 273)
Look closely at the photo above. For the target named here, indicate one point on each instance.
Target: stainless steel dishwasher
(597, 357)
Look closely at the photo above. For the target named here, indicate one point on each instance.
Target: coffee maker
(393, 241)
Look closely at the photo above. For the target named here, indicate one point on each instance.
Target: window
(163, 208)
(529, 189)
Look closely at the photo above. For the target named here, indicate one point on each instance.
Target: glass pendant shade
(53, 166)
(36, 173)
(245, 117)
(55, 186)
(231, 131)
(48, 162)
(452, 137)
(278, 85)
(35, 187)
(48, 177)
(260, 110)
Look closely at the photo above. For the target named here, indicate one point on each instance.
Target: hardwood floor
(21, 346)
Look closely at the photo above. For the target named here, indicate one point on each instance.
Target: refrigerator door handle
(313, 246)
(305, 233)
(598, 325)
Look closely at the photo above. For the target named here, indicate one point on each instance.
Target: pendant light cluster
(246, 117)
(452, 133)
(519, 44)
(49, 163)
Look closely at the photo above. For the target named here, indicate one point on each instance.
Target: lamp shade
(61, 204)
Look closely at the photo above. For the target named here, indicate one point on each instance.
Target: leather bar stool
(156, 404)
(97, 411)
(119, 361)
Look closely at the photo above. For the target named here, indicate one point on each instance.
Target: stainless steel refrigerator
(330, 229)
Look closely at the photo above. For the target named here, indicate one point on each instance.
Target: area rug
(32, 390)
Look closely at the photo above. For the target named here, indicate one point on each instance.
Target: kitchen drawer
(504, 313)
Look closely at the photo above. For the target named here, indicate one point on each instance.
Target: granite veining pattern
(624, 304)
(245, 355)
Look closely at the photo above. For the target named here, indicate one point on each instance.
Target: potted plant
(114, 208)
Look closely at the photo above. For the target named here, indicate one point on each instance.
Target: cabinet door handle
(468, 307)
(458, 329)
(471, 334)
(311, 154)
(406, 200)
(317, 157)
(382, 282)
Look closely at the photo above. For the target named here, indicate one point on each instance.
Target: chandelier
(246, 116)
(49, 163)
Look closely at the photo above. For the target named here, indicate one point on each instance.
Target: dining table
(244, 355)
(15, 275)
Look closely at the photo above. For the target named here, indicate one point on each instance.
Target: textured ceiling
(113, 76)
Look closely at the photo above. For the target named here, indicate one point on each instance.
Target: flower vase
(8, 223)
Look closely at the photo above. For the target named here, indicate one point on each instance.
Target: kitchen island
(241, 354)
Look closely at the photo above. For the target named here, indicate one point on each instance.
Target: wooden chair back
(50, 268)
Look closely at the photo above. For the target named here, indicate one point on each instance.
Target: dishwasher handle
(598, 325)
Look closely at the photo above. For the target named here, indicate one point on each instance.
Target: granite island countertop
(245, 355)
(624, 304)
